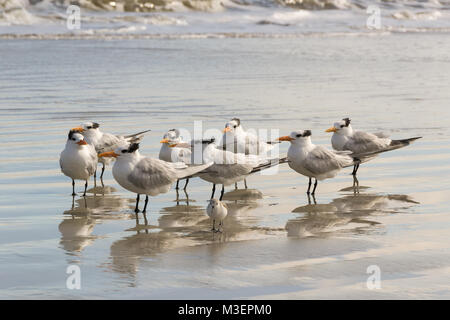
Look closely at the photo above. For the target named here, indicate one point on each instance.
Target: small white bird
(143, 175)
(216, 210)
(228, 167)
(359, 142)
(314, 161)
(105, 142)
(174, 154)
(78, 160)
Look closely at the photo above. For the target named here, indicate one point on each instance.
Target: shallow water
(276, 243)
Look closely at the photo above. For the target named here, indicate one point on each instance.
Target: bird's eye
(89, 127)
(234, 126)
(73, 139)
(124, 151)
(342, 125)
(298, 135)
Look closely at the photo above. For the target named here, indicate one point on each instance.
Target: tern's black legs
(176, 187)
(309, 199)
(355, 169)
(222, 192)
(136, 210)
(145, 205)
(245, 183)
(101, 175)
(314, 190)
(85, 188)
(213, 191)
(185, 186)
(309, 186)
(235, 186)
(214, 226)
(73, 188)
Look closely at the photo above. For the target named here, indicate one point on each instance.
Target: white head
(125, 151)
(172, 136)
(233, 126)
(298, 137)
(87, 128)
(76, 138)
(342, 127)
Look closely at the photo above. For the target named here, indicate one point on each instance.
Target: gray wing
(228, 171)
(109, 142)
(151, 173)
(321, 160)
(362, 142)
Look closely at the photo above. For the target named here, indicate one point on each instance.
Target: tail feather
(136, 134)
(192, 170)
(395, 144)
(269, 164)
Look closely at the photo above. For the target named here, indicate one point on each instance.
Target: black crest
(71, 133)
(133, 147)
(237, 120)
(208, 141)
(95, 125)
(347, 121)
(306, 133)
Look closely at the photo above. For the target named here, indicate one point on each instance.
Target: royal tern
(104, 142)
(314, 161)
(143, 175)
(216, 210)
(237, 140)
(359, 142)
(78, 160)
(228, 167)
(174, 154)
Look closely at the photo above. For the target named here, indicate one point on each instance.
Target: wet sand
(276, 243)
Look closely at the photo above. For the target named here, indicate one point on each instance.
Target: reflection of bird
(313, 161)
(341, 212)
(216, 210)
(174, 154)
(359, 142)
(78, 160)
(76, 233)
(104, 142)
(143, 175)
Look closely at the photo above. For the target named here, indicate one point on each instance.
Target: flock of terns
(237, 155)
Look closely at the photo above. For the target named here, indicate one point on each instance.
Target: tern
(237, 140)
(314, 161)
(359, 142)
(105, 142)
(228, 167)
(174, 154)
(78, 160)
(144, 175)
(217, 210)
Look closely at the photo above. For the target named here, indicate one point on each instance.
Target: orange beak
(285, 138)
(77, 129)
(332, 129)
(108, 154)
(226, 129)
(181, 145)
(164, 141)
(81, 143)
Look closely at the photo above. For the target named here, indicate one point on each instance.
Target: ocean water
(276, 243)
